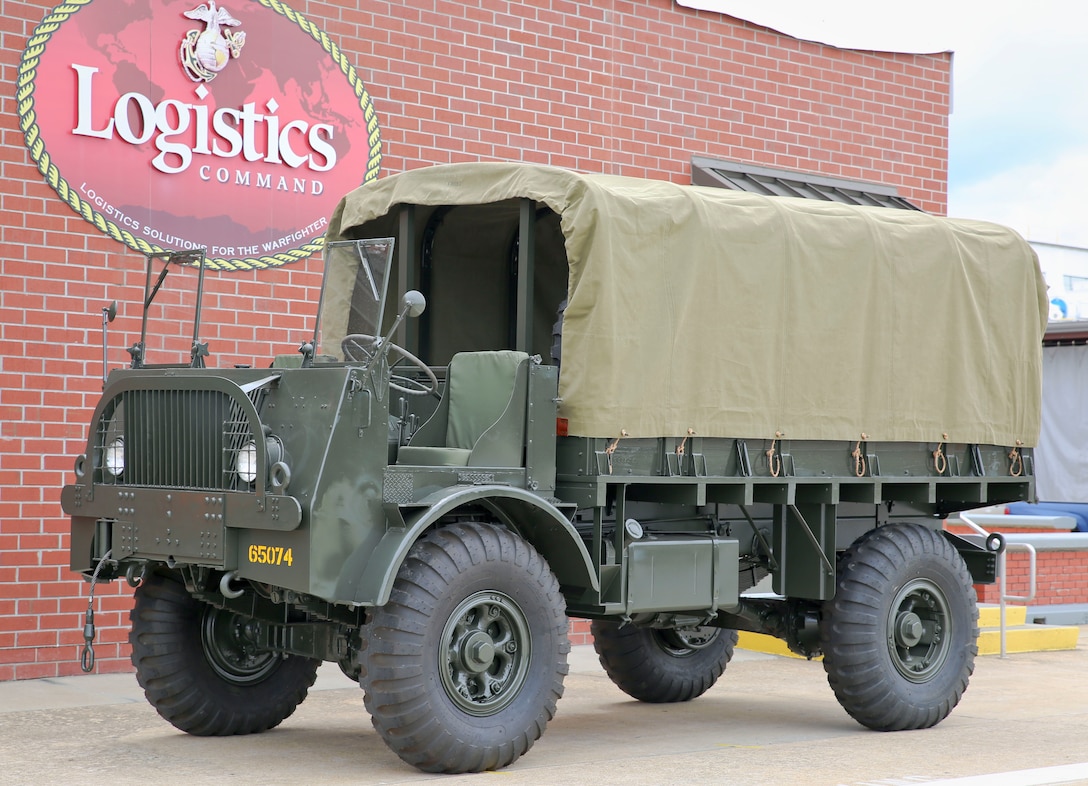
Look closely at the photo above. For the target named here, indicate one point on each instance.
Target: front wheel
(465, 664)
(662, 665)
(201, 670)
(900, 635)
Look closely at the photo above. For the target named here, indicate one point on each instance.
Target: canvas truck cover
(739, 315)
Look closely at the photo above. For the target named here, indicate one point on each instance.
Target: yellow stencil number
(271, 555)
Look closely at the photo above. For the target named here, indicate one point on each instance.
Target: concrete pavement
(769, 720)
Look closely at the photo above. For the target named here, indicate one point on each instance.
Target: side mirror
(413, 303)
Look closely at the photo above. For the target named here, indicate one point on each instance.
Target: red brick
(22, 622)
(33, 671)
(19, 589)
(38, 639)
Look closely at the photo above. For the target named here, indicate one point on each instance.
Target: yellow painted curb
(1019, 637)
(1029, 638)
(989, 616)
(761, 642)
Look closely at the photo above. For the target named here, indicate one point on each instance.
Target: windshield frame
(152, 284)
(371, 263)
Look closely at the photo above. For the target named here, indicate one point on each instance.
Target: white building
(1066, 272)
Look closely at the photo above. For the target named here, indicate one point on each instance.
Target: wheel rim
(919, 628)
(230, 646)
(486, 646)
(682, 642)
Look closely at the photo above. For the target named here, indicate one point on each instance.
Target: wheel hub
(478, 652)
(681, 642)
(230, 646)
(908, 629)
(485, 653)
(918, 632)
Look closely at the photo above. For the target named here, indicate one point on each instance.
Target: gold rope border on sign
(24, 97)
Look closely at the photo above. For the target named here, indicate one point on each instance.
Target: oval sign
(172, 124)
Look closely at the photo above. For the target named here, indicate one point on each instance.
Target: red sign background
(113, 107)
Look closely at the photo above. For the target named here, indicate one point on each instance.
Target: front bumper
(169, 524)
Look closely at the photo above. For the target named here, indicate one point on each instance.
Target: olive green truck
(532, 394)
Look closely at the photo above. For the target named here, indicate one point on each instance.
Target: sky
(1018, 133)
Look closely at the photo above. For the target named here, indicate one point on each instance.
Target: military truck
(532, 394)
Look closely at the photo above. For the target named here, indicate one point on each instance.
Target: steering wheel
(355, 344)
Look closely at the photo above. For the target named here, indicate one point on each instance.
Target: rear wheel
(465, 664)
(900, 635)
(663, 665)
(201, 670)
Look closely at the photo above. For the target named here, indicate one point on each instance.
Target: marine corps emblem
(204, 53)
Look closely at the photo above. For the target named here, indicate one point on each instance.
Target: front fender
(368, 578)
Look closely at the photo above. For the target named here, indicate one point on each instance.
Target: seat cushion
(427, 456)
(479, 388)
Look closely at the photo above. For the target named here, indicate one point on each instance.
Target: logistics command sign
(173, 124)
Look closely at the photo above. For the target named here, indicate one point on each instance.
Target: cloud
(1018, 93)
(1045, 203)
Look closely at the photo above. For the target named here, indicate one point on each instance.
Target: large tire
(200, 673)
(900, 635)
(464, 665)
(662, 665)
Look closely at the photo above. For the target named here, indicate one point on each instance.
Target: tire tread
(397, 691)
(644, 671)
(856, 657)
(177, 681)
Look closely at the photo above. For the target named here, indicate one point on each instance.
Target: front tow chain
(86, 659)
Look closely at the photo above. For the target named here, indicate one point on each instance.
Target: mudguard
(367, 578)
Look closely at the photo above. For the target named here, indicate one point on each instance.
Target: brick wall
(1060, 577)
(633, 88)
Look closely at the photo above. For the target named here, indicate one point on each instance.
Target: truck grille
(184, 439)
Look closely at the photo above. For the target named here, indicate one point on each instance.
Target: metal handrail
(1004, 578)
(1001, 573)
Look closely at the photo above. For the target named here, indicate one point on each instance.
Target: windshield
(352, 294)
(170, 328)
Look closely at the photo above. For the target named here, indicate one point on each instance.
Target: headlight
(246, 462)
(114, 459)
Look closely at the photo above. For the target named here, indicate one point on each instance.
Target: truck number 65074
(270, 555)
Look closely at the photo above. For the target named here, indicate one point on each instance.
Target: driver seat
(480, 420)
